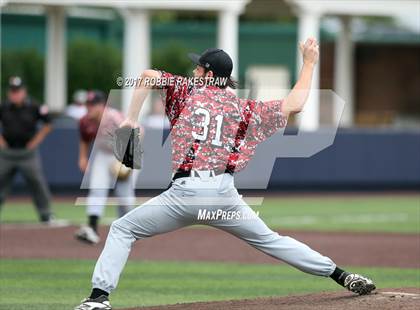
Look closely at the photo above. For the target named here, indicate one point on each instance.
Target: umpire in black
(19, 141)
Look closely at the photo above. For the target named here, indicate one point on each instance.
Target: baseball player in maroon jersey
(104, 169)
(214, 134)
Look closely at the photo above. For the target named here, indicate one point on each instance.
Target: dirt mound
(407, 298)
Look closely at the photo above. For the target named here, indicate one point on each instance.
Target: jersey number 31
(205, 124)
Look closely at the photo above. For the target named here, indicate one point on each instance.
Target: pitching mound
(408, 298)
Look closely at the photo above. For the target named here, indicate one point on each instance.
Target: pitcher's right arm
(139, 95)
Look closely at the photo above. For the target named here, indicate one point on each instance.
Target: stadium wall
(359, 159)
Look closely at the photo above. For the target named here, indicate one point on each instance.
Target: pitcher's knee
(126, 226)
(118, 226)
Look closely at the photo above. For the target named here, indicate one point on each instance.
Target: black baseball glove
(126, 146)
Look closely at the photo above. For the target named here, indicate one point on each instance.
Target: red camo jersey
(212, 129)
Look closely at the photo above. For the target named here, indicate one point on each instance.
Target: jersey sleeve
(166, 81)
(264, 118)
(174, 91)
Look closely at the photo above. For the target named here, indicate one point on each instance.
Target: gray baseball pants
(182, 205)
(29, 164)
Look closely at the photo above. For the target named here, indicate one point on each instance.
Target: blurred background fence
(359, 159)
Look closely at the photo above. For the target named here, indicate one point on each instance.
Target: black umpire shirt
(19, 123)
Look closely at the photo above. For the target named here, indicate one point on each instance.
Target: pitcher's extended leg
(256, 233)
(156, 216)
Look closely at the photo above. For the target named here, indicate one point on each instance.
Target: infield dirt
(206, 244)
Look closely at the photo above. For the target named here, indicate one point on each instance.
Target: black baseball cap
(95, 97)
(15, 83)
(214, 59)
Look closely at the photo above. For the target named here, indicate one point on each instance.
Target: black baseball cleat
(359, 284)
(100, 303)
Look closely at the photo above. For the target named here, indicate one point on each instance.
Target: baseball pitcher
(214, 134)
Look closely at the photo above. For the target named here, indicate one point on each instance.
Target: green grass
(347, 213)
(324, 213)
(60, 284)
(18, 212)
